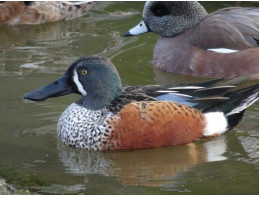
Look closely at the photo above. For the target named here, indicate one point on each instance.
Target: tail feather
(250, 95)
(237, 103)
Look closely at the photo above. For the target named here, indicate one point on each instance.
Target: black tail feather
(234, 119)
(237, 103)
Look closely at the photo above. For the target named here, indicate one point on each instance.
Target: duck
(222, 44)
(37, 12)
(108, 117)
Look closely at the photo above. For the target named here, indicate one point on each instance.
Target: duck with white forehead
(222, 44)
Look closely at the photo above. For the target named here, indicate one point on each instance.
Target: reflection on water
(51, 47)
(249, 137)
(143, 167)
(31, 156)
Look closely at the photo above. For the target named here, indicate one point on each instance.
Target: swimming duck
(109, 117)
(36, 12)
(223, 44)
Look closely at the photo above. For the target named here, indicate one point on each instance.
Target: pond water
(32, 158)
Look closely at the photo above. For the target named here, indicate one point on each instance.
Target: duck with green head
(109, 117)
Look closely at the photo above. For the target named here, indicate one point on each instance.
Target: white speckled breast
(83, 128)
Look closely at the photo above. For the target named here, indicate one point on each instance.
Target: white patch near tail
(216, 123)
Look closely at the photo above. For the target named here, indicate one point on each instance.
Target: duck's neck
(191, 13)
(100, 98)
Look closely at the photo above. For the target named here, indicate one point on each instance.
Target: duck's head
(95, 78)
(168, 18)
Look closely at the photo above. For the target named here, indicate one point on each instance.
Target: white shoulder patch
(216, 123)
(223, 50)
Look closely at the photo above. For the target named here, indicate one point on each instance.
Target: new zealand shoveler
(36, 12)
(223, 44)
(108, 117)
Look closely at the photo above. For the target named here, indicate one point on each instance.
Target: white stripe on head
(78, 84)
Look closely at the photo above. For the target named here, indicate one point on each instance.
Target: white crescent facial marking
(78, 84)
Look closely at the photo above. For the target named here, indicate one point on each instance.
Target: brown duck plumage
(36, 12)
(183, 46)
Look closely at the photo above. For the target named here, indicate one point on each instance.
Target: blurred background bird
(36, 12)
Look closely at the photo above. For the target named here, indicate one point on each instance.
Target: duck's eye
(158, 13)
(160, 10)
(84, 72)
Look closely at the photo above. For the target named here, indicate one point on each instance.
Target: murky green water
(31, 156)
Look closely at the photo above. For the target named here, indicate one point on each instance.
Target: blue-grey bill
(141, 28)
